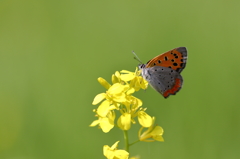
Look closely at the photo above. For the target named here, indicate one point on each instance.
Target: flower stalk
(125, 132)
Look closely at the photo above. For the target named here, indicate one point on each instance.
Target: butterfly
(163, 71)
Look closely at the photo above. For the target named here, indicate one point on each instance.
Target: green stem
(134, 143)
(126, 140)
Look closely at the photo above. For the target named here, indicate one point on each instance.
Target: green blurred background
(52, 52)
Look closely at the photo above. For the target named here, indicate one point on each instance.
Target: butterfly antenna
(136, 57)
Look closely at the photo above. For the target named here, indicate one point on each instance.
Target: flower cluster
(119, 97)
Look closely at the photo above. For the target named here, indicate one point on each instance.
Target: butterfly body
(163, 71)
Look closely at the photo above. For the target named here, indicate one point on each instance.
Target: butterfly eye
(141, 66)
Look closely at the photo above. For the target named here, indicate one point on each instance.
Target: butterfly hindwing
(164, 80)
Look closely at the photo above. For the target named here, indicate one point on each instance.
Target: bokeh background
(52, 52)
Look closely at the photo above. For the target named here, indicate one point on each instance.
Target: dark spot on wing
(175, 64)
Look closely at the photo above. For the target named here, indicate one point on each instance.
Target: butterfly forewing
(175, 59)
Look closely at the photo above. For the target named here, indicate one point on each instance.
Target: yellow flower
(116, 93)
(106, 117)
(99, 98)
(105, 123)
(136, 80)
(153, 133)
(113, 153)
(129, 111)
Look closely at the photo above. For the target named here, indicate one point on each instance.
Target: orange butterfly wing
(175, 59)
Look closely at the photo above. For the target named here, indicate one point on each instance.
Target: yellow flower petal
(94, 123)
(127, 77)
(143, 83)
(144, 119)
(106, 124)
(135, 157)
(124, 121)
(157, 133)
(103, 109)
(117, 88)
(158, 138)
(99, 98)
(126, 71)
(115, 145)
(121, 154)
(130, 91)
(158, 130)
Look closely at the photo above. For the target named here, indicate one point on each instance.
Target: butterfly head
(141, 66)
